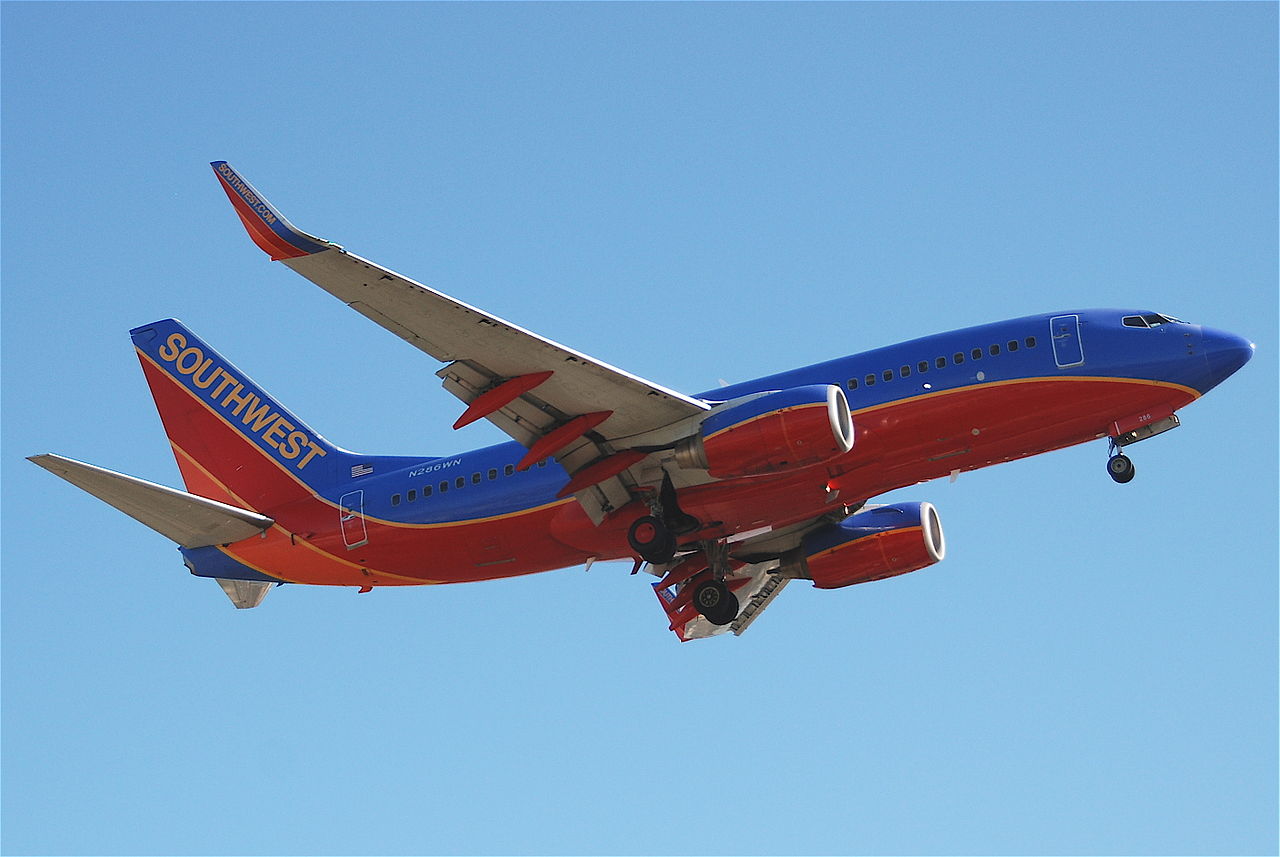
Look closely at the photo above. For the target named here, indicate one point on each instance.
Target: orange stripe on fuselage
(277, 558)
(305, 489)
(497, 546)
(907, 441)
(1191, 392)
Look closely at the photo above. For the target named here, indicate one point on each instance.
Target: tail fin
(233, 442)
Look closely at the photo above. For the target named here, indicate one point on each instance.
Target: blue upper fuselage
(1107, 343)
(1103, 345)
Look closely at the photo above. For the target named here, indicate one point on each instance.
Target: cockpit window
(1150, 319)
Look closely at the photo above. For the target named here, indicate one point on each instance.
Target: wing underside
(556, 401)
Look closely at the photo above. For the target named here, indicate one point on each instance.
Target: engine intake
(770, 433)
(871, 545)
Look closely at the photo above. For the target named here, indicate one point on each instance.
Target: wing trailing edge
(189, 520)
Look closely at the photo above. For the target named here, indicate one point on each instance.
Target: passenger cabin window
(493, 473)
(395, 499)
(413, 495)
(459, 482)
(922, 366)
(870, 380)
(976, 354)
(508, 470)
(957, 358)
(1031, 341)
(995, 350)
(887, 374)
(475, 478)
(1012, 345)
(853, 383)
(905, 372)
(941, 363)
(426, 491)
(444, 486)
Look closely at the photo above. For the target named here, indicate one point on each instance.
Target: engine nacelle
(771, 433)
(871, 545)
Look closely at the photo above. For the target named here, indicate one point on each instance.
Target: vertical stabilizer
(233, 442)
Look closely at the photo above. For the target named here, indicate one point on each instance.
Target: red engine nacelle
(871, 545)
(773, 432)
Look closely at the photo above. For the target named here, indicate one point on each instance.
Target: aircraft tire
(715, 602)
(651, 539)
(1121, 469)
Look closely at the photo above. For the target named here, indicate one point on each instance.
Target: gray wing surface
(487, 355)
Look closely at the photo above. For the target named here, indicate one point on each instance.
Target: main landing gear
(652, 540)
(654, 536)
(715, 602)
(1119, 467)
(699, 577)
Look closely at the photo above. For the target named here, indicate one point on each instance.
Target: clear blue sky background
(692, 192)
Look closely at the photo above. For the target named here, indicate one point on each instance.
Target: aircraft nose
(1225, 352)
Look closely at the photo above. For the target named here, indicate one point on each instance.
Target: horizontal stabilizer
(191, 521)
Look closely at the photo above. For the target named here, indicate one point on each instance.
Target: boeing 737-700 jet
(725, 496)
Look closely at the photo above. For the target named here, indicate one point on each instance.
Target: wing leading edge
(555, 400)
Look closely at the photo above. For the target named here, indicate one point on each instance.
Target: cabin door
(351, 516)
(1065, 331)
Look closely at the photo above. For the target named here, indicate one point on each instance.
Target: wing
(554, 400)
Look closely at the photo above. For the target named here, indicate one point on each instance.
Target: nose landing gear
(1119, 467)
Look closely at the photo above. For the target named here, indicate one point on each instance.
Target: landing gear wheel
(715, 602)
(1120, 468)
(651, 539)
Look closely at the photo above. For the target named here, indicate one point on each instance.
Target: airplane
(725, 496)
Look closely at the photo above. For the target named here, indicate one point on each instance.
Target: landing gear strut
(711, 595)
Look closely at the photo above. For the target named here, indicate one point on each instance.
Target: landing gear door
(1065, 331)
(351, 510)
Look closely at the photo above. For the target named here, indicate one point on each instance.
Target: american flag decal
(361, 470)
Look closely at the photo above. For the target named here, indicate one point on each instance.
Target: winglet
(274, 235)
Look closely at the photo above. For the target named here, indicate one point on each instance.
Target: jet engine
(770, 433)
(874, 544)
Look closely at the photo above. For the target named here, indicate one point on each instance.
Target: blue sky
(694, 193)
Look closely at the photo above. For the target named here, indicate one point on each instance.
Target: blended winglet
(274, 235)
